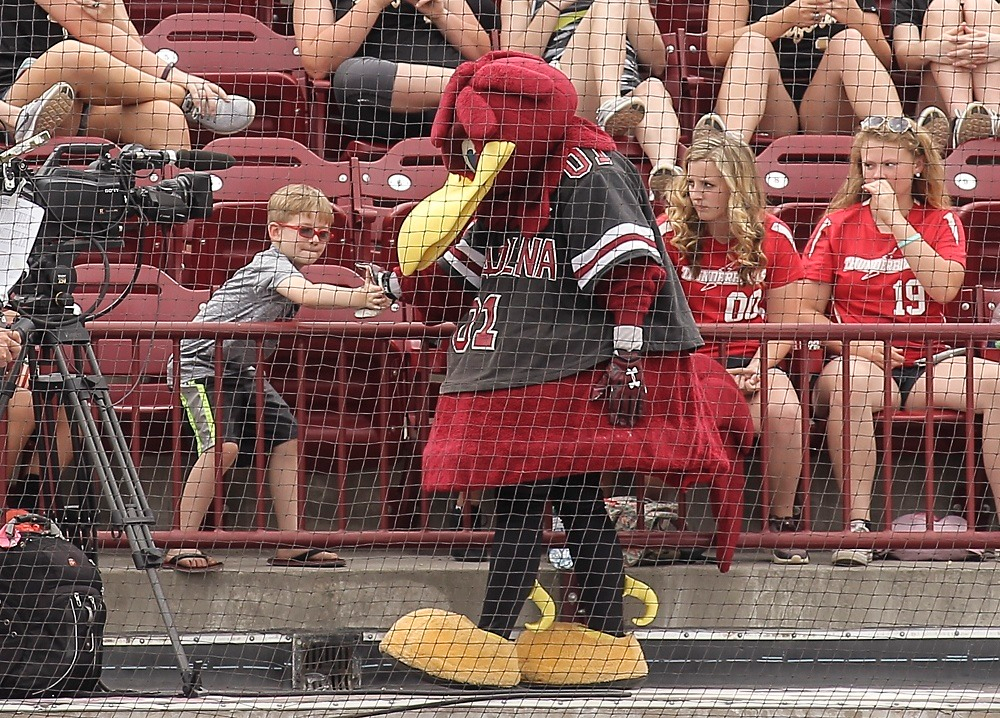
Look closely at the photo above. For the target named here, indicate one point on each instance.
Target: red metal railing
(401, 412)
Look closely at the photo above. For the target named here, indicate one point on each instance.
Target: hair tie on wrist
(167, 70)
(909, 240)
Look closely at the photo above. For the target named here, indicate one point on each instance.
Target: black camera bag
(52, 614)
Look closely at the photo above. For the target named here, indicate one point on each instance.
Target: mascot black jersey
(536, 317)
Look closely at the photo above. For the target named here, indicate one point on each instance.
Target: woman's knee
(752, 45)
(654, 89)
(72, 54)
(848, 43)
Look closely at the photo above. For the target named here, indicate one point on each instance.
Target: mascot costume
(571, 358)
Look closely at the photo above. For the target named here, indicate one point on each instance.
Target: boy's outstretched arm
(330, 296)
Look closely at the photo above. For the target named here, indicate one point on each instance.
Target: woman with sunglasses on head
(810, 65)
(890, 250)
(737, 264)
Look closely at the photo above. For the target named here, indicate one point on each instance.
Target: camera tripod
(65, 377)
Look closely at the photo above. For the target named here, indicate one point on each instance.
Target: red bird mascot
(572, 360)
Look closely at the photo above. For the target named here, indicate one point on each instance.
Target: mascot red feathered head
(505, 125)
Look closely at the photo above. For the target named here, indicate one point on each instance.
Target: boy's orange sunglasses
(307, 232)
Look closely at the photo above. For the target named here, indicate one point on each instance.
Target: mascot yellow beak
(434, 224)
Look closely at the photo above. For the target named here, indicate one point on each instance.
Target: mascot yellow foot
(450, 646)
(569, 654)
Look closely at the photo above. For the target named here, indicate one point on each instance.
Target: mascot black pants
(516, 552)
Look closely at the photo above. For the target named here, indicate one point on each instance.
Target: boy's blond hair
(295, 199)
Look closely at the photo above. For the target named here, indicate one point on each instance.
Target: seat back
(801, 218)
(981, 221)
(264, 164)
(244, 56)
(146, 14)
(973, 171)
(805, 168)
(386, 189)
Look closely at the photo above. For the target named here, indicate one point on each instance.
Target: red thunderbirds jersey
(871, 279)
(717, 295)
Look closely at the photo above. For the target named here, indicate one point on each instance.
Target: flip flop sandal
(307, 559)
(174, 563)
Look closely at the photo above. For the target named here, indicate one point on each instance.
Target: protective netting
(635, 355)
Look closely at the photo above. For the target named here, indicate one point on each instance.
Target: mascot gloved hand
(621, 386)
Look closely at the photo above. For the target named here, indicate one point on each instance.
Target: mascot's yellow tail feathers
(569, 654)
(450, 646)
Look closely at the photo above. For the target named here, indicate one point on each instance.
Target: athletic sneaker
(45, 113)
(854, 556)
(975, 123)
(620, 116)
(231, 115)
(709, 122)
(936, 124)
(787, 556)
(662, 178)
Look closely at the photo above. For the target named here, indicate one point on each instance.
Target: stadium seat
(691, 17)
(973, 171)
(207, 251)
(245, 57)
(146, 14)
(388, 188)
(982, 232)
(691, 79)
(804, 168)
(801, 218)
(136, 369)
(353, 398)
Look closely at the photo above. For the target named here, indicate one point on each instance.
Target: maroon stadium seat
(804, 168)
(142, 391)
(388, 188)
(973, 171)
(353, 399)
(982, 232)
(146, 14)
(246, 57)
(801, 218)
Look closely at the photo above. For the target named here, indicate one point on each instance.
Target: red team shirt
(871, 279)
(716, 296)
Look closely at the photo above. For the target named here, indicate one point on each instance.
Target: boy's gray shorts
(238, 409)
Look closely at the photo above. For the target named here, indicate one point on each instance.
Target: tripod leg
(105, 445)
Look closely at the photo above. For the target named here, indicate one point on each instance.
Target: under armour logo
(633, 377)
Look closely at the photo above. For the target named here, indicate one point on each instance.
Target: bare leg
(849, 71)
(949, 393)
(659, 131)
(752, 93)
(784, 440)
(282, 475)
(20, 425)
(102, 80)
(954, 84)
(595, 56)
(198, 492)
(985, 16)
(866, 397)
(418, 87)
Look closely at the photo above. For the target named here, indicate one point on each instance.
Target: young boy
(270, 288)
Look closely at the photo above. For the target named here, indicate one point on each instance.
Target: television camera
(86, 209)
